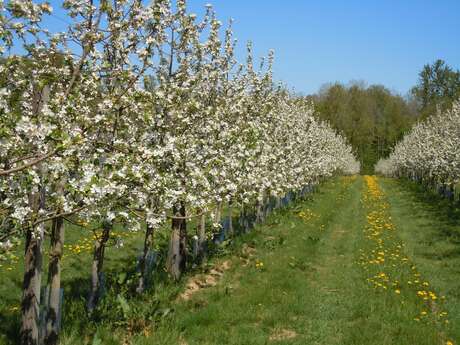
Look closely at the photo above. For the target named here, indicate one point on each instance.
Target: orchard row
(138, 114)
(429, 153)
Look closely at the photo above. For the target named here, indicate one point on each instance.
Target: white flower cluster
(153, 112)
(430, 152)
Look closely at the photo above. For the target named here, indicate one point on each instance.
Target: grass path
(430, 227)
(364, 261)
(342, 268)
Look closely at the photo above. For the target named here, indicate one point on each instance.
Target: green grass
(311, 289)
(75, 273)
(430, 227)
(252, 303)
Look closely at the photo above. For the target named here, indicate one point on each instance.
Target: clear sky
(380, 41)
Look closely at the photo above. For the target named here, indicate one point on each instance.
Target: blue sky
(380, 41)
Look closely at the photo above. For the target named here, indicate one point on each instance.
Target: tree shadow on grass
(444, 216)
(9, 327)
(75, 319)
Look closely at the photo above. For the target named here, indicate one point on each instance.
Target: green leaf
(121, 277)
(123, 304)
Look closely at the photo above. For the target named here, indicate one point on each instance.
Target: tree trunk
(230, 218)
(259, 216)
(98, 261)
(177, 253)
(202, 237)
(30, 305)
(243, 220)
(218, 216)
(451, 192)
(54, 282)
(148, 241)
(278, 202)
(183, 240)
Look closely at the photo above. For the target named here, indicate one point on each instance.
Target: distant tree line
(374, 118)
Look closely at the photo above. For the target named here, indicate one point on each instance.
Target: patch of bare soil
(182, 342)
(203, 281)
(248, 251)
(282, 334)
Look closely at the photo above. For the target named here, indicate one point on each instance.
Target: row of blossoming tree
(138, 114)
(429, 153)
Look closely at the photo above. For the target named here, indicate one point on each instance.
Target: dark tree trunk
(259, 212)
(30, 306)
(177, 254)
(218, 216)
(54, 282)
(98, 261)
(230, 218)
(148, 242)
(202, 238)
(202, 231)
(244, 218)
